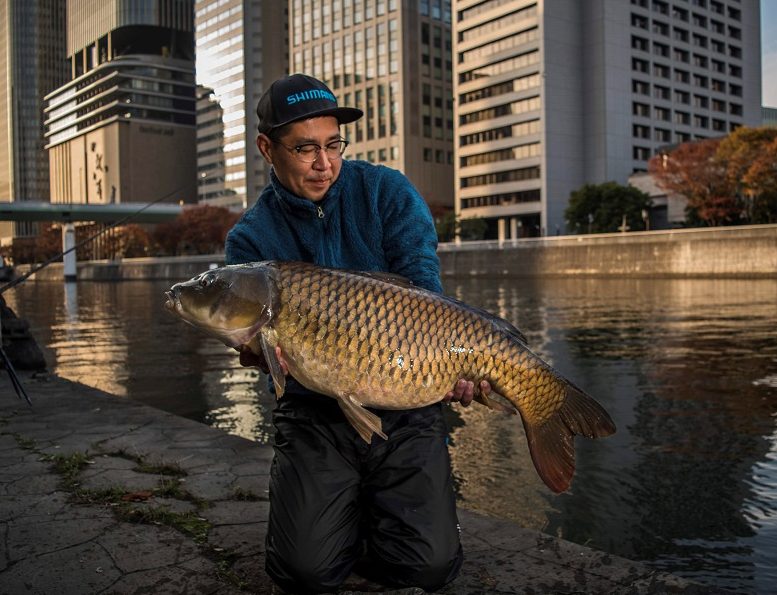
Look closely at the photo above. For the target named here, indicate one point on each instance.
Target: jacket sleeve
(409, 235)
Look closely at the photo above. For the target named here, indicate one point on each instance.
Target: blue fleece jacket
(371, 219)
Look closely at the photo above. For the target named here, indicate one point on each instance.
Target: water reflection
(689, 482)
(687, 368)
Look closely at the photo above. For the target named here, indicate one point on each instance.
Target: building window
(640, 109)
(681, 34)
(660, 28)
(640, 87)
(639, 43)
(641, 153)
(682, 118)
(640, 131)
(639, 65)
(660, 49)
(660, 92)
(662, 135)
(661, 70)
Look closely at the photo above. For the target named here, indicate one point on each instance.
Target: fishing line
(4, 359)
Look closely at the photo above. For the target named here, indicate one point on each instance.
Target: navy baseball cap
(299, 97)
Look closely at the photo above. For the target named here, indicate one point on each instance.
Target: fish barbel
(375, 340)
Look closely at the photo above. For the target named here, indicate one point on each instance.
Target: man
(335, 500)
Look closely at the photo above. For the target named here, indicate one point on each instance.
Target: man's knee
(430, 572)
(306, 571)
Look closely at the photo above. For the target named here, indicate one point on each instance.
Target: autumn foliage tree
(726, 181)
(750, 155)
(199, 229)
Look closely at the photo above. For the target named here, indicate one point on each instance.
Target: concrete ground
(99, 494)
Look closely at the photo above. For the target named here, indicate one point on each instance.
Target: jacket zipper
(320, 212)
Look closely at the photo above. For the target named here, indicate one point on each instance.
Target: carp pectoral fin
(268, 348)
(363, 421)
(495, 405)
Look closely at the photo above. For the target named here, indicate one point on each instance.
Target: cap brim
(344, 115)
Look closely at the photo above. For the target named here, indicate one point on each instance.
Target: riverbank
(726, 252)
(100, 494)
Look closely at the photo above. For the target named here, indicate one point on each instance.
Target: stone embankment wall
(747, 251)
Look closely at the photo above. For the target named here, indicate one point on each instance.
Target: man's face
(308, 180)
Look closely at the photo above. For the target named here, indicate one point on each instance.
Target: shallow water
(687, 369)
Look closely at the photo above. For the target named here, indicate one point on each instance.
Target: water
(687, 368)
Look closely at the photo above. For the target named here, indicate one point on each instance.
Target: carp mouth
(172, 302)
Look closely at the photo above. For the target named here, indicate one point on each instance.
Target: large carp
(375, 340)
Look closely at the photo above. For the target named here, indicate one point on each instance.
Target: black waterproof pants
(336, 500)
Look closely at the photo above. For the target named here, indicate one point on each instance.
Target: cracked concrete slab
(203, 529)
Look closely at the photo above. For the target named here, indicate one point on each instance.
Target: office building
(31, 64)
(553, 94)
(391, 59)
(122, 129)
(242, 46)
(769, 116)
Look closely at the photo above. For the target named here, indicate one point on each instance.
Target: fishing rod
(4, 359)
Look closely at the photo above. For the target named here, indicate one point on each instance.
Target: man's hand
(464, 392)
(251, 360)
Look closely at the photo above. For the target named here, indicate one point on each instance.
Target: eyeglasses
(309, 152)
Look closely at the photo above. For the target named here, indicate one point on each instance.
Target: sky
(769, 52)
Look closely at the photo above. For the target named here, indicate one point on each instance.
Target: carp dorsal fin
(392, 278)
(268, 340)
(363, 421)
(497, 321)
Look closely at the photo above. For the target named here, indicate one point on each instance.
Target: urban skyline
(405, 103)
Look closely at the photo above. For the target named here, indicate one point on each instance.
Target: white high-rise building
(242, 47)
(554, 94)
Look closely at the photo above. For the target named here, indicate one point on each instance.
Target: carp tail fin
(551, 443)
(364, 422)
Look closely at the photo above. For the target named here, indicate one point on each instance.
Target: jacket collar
(303, 207)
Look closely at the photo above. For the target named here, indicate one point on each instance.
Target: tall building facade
(122, 129)
(31, 64)
(242, 47)
(392, 59)
(553, 94)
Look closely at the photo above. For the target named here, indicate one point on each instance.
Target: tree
(693, 170)
(448, 224)
(748, 155)
(128, 241)
(199, 229)
(727, 181)
(600, 208)
(761, 179)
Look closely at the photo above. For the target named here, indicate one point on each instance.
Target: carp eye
(206, 281)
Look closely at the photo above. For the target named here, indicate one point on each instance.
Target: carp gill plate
(375, 340)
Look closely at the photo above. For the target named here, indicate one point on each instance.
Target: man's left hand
(464, 392)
